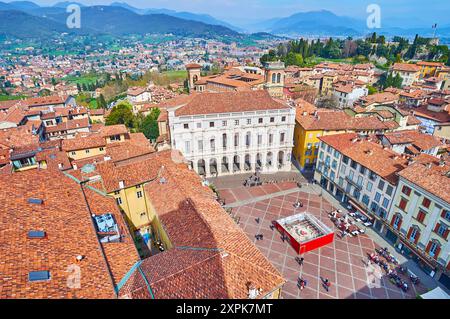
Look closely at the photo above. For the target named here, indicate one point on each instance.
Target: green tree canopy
(121, 114)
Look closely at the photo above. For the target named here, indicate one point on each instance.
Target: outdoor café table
(367, 224)
(355, 233)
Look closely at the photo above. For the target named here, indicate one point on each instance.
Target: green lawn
(175, 75)
(83, 79)
(4, 97)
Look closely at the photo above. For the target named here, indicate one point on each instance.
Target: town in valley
(166, 154)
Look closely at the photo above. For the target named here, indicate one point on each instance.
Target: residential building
(409, 72)
(419, 218)
(310, 126)
(359, 171)
(412, 142)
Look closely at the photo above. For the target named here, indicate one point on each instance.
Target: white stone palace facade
(232, 133)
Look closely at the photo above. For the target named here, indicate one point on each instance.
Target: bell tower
(274, 78)
(193, 70)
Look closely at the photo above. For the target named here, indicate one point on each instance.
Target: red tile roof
(369, 154)
(211, 256)
(65, 218)
(210, 103)
(433, 178)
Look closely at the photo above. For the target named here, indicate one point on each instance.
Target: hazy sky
(422, 12)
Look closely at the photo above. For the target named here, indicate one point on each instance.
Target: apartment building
(419, 218)
(410, 73)
(360, 172)
(311, 124)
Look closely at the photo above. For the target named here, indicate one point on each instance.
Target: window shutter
(436, 254)
(443, 213)
(400, 223)
(446, 234)
(393, 220)
(436, 228)
(409, 232)
(417, 237)
(428, 247)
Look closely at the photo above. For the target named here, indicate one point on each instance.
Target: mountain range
(120, 18)
(23, 20)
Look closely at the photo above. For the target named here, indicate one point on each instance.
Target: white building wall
(187, 131)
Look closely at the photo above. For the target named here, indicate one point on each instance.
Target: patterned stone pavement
(342, 262)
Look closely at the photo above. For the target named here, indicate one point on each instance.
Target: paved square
(342, 262)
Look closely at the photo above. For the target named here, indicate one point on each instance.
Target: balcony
(359, 187)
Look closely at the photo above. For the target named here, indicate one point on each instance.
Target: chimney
(121, 184)
(75, 167)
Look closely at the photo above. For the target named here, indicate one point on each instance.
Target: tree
(121, 114)
(149, 126)
(294, 59)
(101, 102)
(327, 102)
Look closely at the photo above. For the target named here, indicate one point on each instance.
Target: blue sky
(412, 12)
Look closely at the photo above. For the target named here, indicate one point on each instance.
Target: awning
(436, 293)
(417, 253)
(361, 210)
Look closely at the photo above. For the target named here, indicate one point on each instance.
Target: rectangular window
(421, 216)
(353, 164)
(406, 190)
(345, 159)
(200, 146)
(73, 153)
(186, 126)
(360, 180)
(442, 230)
(282, 137)
(88, 151)
(369, 186)
(365, 200)
(334, 164)
(389, 190)
(446, 214)
(119, 200)
(402, 204)
(236, 122)
(249, 121)
(259, 139)
(426, 202)
(381, 185)
(211, 124)
(283, 119)
(385, 203)
(362, 170)
(39, 275)
(260, 120)
(377, 197)
(350, 174)
(199, 125)
(187, 146)
(224, 123)
(341, 181)
(272, 119)
(101, 149)
(139, 194)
